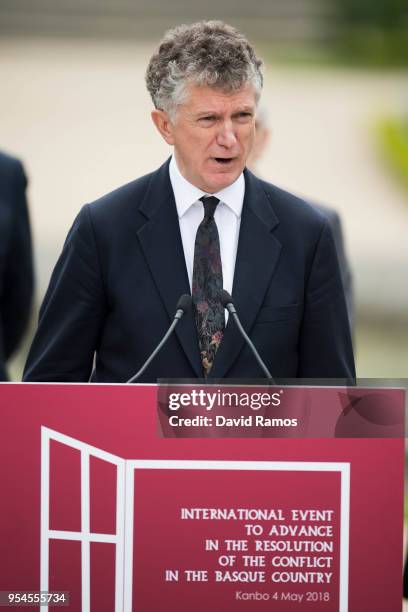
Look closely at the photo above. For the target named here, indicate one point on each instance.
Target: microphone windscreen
(184, 303)
(225, 298)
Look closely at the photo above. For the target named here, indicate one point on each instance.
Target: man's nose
(226, 136)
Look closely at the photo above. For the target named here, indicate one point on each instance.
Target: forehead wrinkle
(218, 95)
(239, 108)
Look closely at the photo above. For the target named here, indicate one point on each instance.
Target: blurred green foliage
(373, 32)
(373, 47)
(385, 14)
(392, 136)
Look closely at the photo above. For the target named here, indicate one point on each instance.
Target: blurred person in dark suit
(199, 223)
(261, 141)
(16, 265)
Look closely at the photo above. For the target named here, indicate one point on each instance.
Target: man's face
(212, 135)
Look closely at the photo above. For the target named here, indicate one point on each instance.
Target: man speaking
(199, 223)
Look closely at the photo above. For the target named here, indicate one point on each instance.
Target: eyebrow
(212, 113)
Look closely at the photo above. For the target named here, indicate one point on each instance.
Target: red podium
(108, 494)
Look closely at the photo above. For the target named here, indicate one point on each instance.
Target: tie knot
(210, 204)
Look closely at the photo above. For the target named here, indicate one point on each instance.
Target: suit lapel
(257, 256)
(161, 243)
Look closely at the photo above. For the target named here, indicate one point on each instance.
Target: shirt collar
(186, 194)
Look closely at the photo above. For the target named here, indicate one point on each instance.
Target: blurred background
(74, 108)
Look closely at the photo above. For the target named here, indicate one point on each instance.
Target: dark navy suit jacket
(345, 270)
(115, 287)
(16, 266)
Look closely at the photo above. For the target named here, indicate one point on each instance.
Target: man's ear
(162, 122)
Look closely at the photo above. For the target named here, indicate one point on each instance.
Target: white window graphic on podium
(83, 533)
(71, 517)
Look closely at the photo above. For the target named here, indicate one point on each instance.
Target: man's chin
(221, 179)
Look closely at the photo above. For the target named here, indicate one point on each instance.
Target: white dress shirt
(227, 217)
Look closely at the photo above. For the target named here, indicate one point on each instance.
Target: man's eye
(207, 119)
(244, 116)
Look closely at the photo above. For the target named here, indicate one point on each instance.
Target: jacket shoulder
(122, 201)
(11, 171)
(7, 162)
(290, 208)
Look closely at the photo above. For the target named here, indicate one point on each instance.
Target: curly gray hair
(209, 53)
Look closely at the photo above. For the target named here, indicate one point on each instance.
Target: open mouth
(224, 161)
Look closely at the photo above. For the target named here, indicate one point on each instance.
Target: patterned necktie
(207, 283)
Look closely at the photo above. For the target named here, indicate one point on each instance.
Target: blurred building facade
(278, 20)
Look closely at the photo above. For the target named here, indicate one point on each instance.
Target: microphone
(228, 303)
(183, 306)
